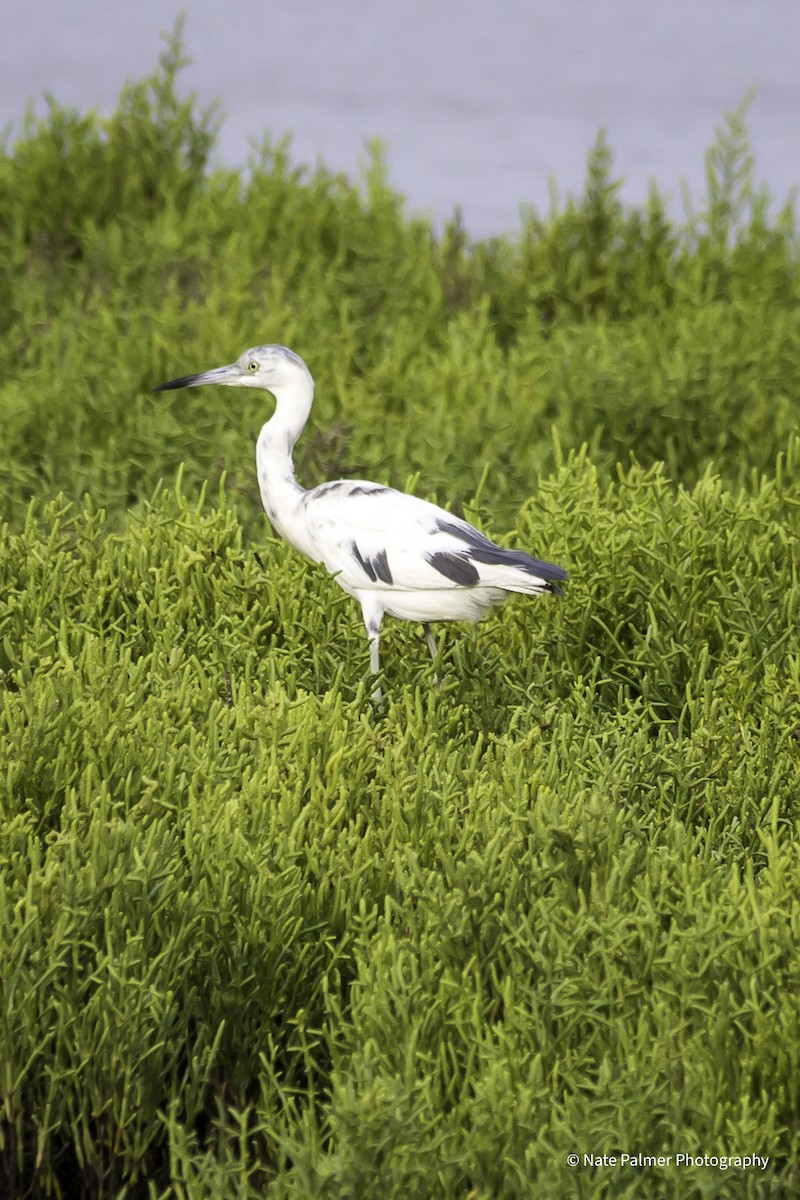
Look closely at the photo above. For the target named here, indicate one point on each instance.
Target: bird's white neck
(280, 491)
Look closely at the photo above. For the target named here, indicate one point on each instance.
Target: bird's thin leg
(375, 660)
(372, 620)
(431, 640)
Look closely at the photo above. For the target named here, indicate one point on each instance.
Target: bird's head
(270, 367)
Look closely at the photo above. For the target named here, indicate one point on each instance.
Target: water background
(480, 104)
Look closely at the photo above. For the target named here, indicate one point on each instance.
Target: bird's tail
(516, 571)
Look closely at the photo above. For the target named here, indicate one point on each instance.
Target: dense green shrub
(438, 949)
(258, 938)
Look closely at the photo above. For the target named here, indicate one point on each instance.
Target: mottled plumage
(395, 553)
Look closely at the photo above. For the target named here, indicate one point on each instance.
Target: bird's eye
(252, 366)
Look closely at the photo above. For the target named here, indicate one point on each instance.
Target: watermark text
(723, 1162)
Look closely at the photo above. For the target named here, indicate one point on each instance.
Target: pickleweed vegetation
(259, 938)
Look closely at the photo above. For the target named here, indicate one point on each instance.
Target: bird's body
(408, 556)
(393, 552)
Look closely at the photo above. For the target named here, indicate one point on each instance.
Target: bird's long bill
(231, 374)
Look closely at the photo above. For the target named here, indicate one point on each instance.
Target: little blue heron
(395, 553)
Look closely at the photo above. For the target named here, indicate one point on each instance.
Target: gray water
(480, 103)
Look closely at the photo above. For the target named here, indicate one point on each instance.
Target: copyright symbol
(573, 1160)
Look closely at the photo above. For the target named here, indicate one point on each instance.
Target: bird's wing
(375, 537)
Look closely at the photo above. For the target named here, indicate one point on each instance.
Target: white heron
(395, 553)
